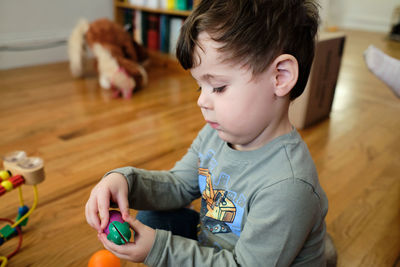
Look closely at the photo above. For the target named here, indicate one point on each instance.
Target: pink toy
(114, 216)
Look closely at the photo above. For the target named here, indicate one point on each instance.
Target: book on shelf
(190, 4)
(153, 3)
(175, 28)
(181, 4)
(165, 4)
(128, 21)
(170, 4)
(145, 26)
(137, 2)
(153, 31)
(164, 33)
(137, 33)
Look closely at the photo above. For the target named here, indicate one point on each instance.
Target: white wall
(27, 22)
(369, 15)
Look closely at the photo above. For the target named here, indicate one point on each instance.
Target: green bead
(7, 231)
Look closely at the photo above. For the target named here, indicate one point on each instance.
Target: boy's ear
(286, 73)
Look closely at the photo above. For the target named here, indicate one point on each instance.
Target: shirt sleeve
(280, 219)
(165, 190)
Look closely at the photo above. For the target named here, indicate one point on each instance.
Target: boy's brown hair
(254, 33)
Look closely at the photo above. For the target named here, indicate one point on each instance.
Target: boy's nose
(204, 100)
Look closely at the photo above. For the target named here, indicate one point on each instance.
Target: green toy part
(7, 232)
(119, 232)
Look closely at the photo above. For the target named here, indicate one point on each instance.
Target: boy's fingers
(121, 251)
(118, 250)
(103, 220)
(133, 222)
(123, 206)
(103, 205)
(107, 244)
(137, 225)
(91, 216)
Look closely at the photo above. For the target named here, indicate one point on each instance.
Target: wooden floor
(81, 133)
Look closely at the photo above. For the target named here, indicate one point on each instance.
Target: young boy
(261, 202)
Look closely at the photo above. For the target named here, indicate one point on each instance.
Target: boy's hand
(113, 187)
(137, 250)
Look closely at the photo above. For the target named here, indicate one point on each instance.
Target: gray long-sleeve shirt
(258, 208)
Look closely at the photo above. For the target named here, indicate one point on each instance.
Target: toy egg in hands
(117, 230)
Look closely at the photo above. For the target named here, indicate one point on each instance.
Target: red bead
(2, 190)
(17, 180)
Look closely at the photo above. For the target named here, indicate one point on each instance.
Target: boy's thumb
(134, 223)
(131, 221)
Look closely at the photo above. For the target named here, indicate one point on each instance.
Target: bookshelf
(119, 6)
(124, 12)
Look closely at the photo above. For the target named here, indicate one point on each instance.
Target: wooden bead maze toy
(19, 170)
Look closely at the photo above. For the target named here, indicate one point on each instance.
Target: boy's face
(241, 107)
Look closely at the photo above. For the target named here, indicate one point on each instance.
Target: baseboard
(365, 23)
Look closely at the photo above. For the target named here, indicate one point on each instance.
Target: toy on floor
(119, 58)
(117, 230)
(19, 170)
(104, 258)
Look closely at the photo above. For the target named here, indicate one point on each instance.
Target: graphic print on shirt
(222, 208)
(217, 207)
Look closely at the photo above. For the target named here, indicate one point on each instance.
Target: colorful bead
(2, 190)
(7, 185)
(17, 180)
(21, 212)
(4, 175)
(7, 231)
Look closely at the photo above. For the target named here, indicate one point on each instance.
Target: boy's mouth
(213, 125)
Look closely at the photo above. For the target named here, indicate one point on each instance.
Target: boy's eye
(215, 90)
(219, 89)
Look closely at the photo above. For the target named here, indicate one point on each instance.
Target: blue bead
(23, 210)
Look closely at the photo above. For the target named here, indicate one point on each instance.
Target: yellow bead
(4, 175)
(7, 185)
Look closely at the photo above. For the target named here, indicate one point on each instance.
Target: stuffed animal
(118, 57)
